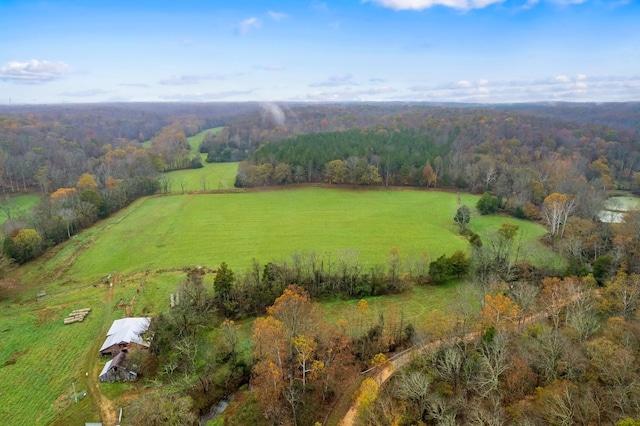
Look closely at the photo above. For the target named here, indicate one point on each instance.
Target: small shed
(123, 334)
(116, 370)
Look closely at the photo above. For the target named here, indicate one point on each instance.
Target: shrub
(487, 204)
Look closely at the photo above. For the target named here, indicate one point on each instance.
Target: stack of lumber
(77, 315)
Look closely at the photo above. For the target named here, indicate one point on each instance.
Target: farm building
(124, 333)
(116, 370)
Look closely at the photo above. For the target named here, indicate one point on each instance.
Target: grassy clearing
(21, 203)
(413, 305)
(196, 140)
(211, 177)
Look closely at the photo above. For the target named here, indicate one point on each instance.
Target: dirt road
(404, 358)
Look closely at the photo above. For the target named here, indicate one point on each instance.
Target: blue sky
(352, 50)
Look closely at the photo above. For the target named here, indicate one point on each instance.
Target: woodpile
(77, 315)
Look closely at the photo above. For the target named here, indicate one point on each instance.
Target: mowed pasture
(207, 229)
(211, 177)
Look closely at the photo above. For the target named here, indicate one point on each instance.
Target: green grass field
(211, 177)
(207, 229)
(40, 358)
(196, 140)
(21, 203)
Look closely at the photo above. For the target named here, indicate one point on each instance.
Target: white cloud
(462, 84)
(335, 80)
(247, 24)
(426, 4)
(277, 16)
(463, 4)
(559, 88)
(33, 71)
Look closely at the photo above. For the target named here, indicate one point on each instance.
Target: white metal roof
(106, 367)
(127, 330)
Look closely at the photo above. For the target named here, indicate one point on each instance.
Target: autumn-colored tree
(499, 310)
(295, 310)
(556, 210)
(63, 193)
(269, 341)
(366, 397)
(86, 181)
(429, 175)
(530, 211)
(111, 182)
(553, 296)
(22, 244)
(621, 296)
(305, 349)
(294, 349)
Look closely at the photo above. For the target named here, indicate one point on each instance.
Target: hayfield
(207, 229)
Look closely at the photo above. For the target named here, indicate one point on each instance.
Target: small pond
(615, 207)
